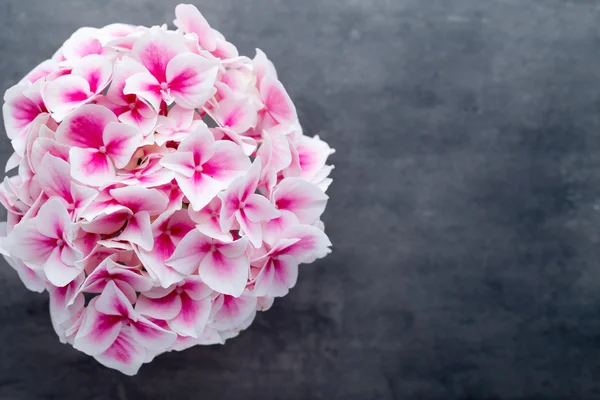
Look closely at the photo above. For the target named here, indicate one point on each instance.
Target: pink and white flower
(99, 144)
(88, 78)
(129, 108)
(162, 189)
(172, 73)
(167, 230)
(115, 334)
(278, 268)
(242, 205)
(223, 266)
(185, 306)
(129, 279)
(204, 167)
(46, 241)
(22, 105)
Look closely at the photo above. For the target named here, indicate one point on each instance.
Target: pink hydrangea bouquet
(165, 191)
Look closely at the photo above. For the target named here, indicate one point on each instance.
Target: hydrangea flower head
(164, 190)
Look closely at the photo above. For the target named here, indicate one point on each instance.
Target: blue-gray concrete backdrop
(464, 214)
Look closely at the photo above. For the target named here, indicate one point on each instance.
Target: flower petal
(138, 231)
(234, 249)
(200, 142)
(91, 167)
(181, 162)
(130, 275)
(313, 243)
(191, 79)
(58, 272)
(121, 141)
(190, 252)
(234, 312)
(155, 49)
(190, 20)
(227, 162)
(33, 280)
(54, 177)
(154, 261)
(164, 308)
(81, 44)
(200, 189)
(125, 354)
(146, 87)
(151, 335)
(262, 66)
(66, 93)
(192, 318)
(277, 101)
(252, 230)
(196, 288)
(96, 70)
(302, 198)
(97, 331)
(113, 302)
(141, 199)
(85, 126)
(124, 68)
(18, 110)
(136, 119)
(26, 243)
(236, 113)
(42, 146)
(207, 220)
(277, 277)
(225, 275)
(258, 208)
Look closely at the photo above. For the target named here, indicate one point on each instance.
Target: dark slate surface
(465, 209)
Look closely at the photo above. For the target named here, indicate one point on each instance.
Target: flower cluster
(165, 191)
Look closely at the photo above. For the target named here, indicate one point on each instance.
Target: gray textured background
(464, 212)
